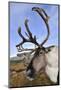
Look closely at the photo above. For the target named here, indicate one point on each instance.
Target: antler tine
(27, 28)
(31, 38)
(20, 34)
(42, 12)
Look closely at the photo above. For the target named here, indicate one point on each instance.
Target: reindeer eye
(49, 49)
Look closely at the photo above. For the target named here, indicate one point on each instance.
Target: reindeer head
(37, 62)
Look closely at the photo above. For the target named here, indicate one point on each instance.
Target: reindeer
(45, 59)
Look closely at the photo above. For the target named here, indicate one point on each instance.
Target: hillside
(18, 78)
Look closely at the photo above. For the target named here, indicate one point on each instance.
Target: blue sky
(20, 11)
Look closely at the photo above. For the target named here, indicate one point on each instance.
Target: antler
(30, 38)
(45, 17)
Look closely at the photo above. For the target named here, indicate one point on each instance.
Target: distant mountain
(22, 56)
(17, 58)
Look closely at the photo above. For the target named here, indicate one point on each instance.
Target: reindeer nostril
(28, 72)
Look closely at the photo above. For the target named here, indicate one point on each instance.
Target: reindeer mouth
(29, 75)
(31, 79)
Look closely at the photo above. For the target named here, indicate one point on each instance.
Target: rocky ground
(17, 78)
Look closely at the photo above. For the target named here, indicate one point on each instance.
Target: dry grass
(18, 78)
